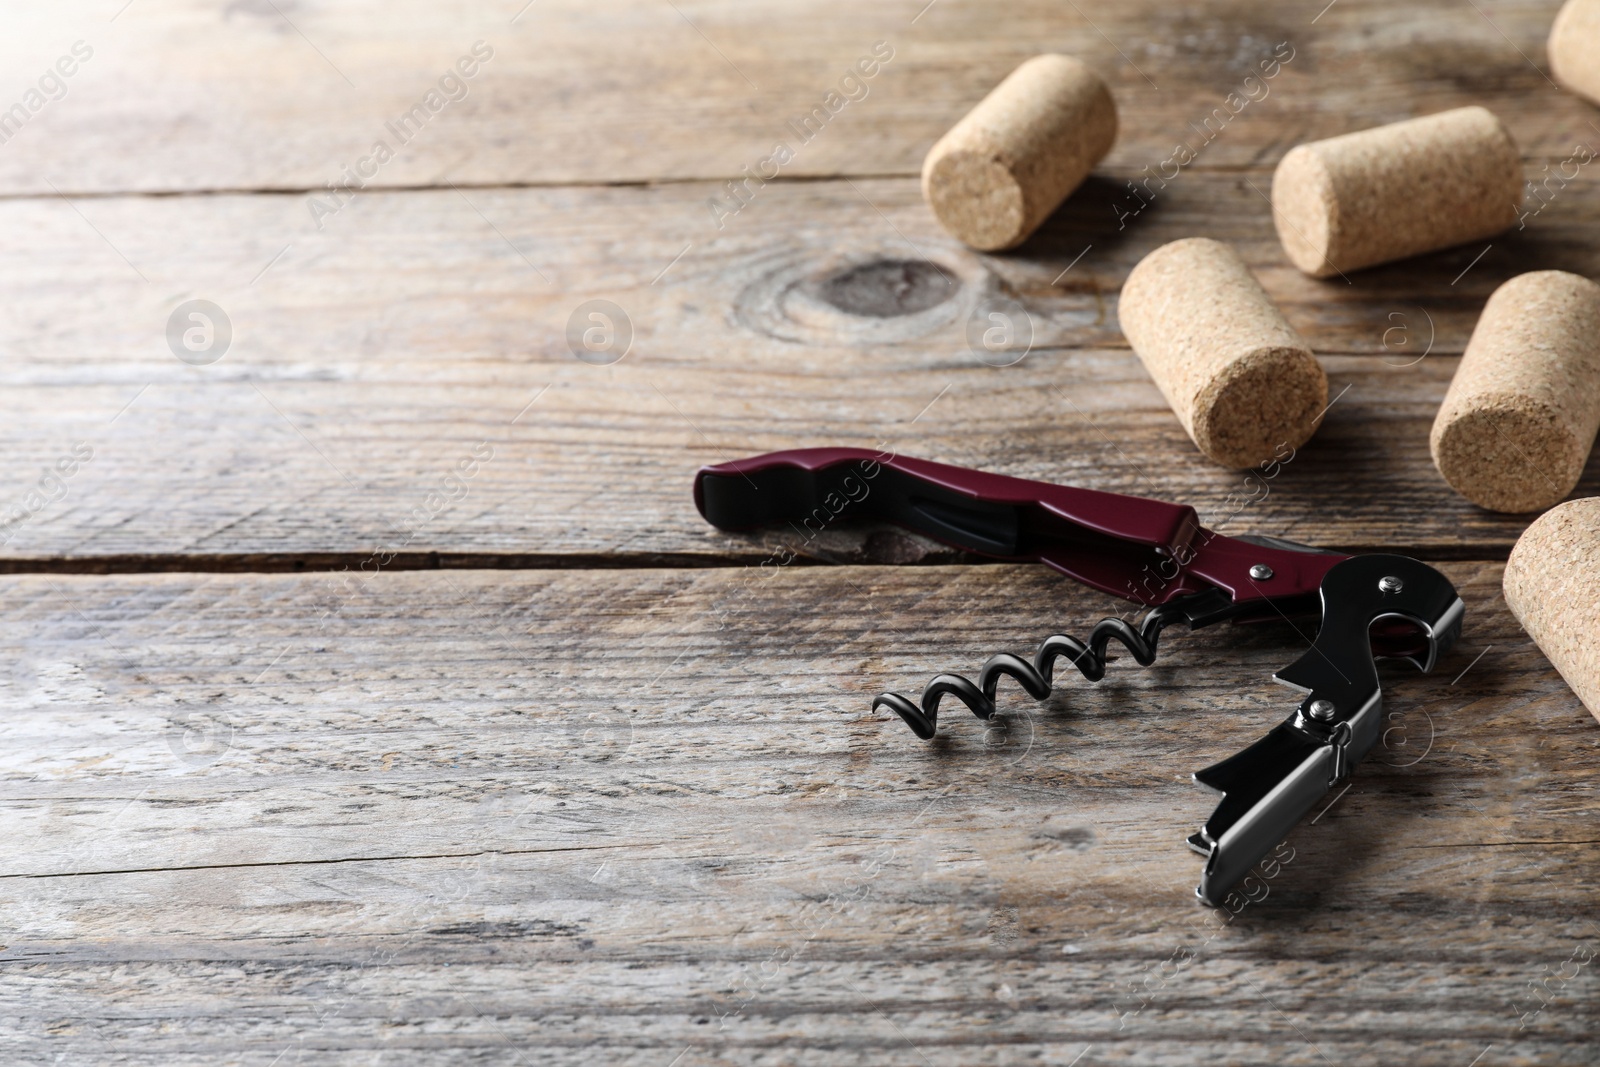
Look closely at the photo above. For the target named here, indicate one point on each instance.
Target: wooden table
(374, 693)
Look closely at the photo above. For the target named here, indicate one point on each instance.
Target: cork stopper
(1552, 585)
(1520, 416)
(999, 173)
(1238, 377)
(1396, 191)
(1574, 48)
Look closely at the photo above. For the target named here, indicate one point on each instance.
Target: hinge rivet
(1321, 710)
(1261, 572)
(1390, 584)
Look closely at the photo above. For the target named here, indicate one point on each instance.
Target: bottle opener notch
(1271, 785)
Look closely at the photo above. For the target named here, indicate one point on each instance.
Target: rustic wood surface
(367, 362)
(627, 816)
(190, 95)
(595, 791)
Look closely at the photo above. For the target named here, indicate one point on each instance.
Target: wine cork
(1238, 377)
(1574, 48)
(1395, 191)
(1552, 585)
(1015, 157)
(1521, 413)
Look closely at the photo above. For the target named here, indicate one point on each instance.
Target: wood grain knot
(888, 288)
(863, 298)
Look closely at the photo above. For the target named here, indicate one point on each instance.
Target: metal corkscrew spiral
(1036, 677)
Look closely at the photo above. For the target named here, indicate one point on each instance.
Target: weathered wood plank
(461, 814)
(190, 95)
(370, 359)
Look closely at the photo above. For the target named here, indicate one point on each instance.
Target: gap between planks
(1118, 173)
(322, 562)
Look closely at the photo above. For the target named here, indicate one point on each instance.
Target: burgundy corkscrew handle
(1148, 551)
